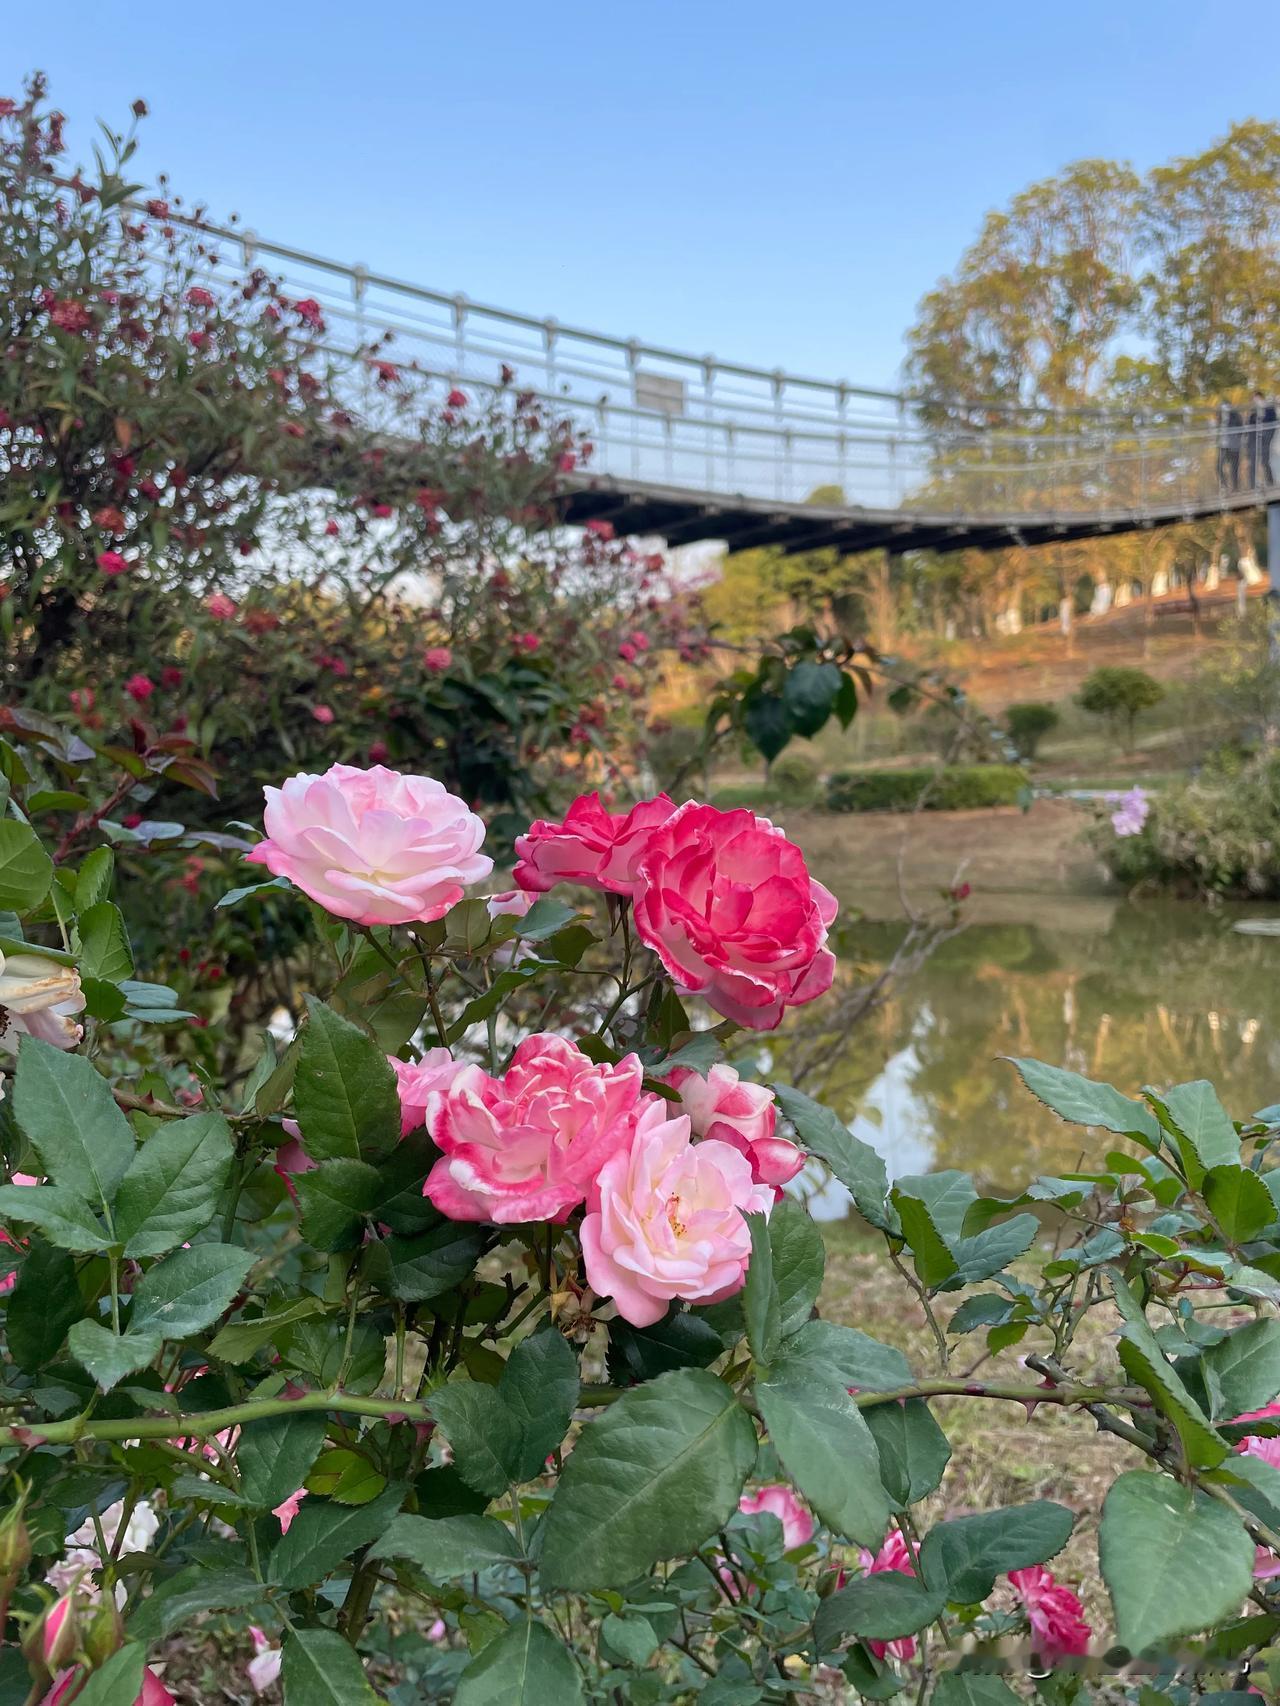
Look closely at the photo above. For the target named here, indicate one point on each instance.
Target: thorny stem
(939, 1338)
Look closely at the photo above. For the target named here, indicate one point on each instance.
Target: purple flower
(1132, 810)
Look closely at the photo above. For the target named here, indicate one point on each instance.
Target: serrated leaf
(961, 1559)
(344, 1090)
(448, 1546)
(26, 870)
(828, 1351)
(857, 1166)
(44, 1303)
(1081, 1101)
(275, 1455)
(119, 1681)
(883, 1607)
(1242, 1371)
(539, 1386)
(485, 1434)
(189, 1290)
(1238, 1201)
(1145, 1363)
(322, 1536)
(651, 1478)
(171, 1190)
(194, 1589)
(526, 1665)
(65, 1109)
(827, 1449)
(320, 1668)
(1200, 1125)
(799, 1262)
(333, 1199)
(761, 1309)
(104, 950)
(913, 1449)
(61, 1214)
(238, 1340)
(110, 1356)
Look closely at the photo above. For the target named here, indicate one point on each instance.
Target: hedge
(959, 787)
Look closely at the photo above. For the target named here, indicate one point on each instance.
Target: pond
(1135, 993)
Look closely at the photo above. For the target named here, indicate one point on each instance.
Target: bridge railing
(664, 417)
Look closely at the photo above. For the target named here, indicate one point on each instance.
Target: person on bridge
(1262, 429)
(1230, 432)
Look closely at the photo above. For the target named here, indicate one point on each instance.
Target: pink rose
(285, 1512)
(594, 847)
(1265, 1446)
(728, 905)
(220, 607)
(437, 659)
(1058, 1628)
(70, 1683)
(893, 1555)
(723, 1107)
(140, 688)
(322, 713)
(373, 845)
(291, 1158)
(666, 1220)
(112, 562)
(528, 1145)
(778, 1500)
(418, 1080)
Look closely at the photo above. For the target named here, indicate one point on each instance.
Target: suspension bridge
(693, 447)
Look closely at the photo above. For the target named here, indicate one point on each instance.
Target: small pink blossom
(1058, 1628)
(288, 1509)
(895, 1555)
(528, 1145)
(456, 399)
(594, 847)
(526, 642)
(1265, 1446)
(511, 903)
(322, 714)
(112, 562)
(309, 312)
(220, 607)
(437, 659)
(729, 1109)
(600, 529)
(1132, 811)
(140, 688)
(778, 1500)
(666, 1219)
(263, 1669)
(199, 297)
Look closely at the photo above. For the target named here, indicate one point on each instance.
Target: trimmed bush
(959, 787)
(794, 778)
(1119, 694)
(1028, 724)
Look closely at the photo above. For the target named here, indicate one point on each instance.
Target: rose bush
(436, 1354)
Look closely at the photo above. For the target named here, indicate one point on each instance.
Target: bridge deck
(681, 517)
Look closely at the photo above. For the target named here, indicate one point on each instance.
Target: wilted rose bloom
(437, 659)
(666, 1219)
(81, 1556)
(893, 1555)
(729, 907)
(1058, 1628)
(1132, 811)
(263, 1669)
(418, 1080)
(39, 997)
(528, 1145)
(220, 607)
(778, 1500)
(373, 845)
(597, 848)
(725, 1107)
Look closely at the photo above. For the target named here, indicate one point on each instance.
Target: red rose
(728, 905)
(140, 687)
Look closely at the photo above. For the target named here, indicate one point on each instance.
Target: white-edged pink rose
(666, 1219)
(528, 1145)
(733, 1110)
(728, 905)
(778, 1500)
(263, 1669)
(418, 1080)
(1056, 1616)
(592, 846)
(373, 846)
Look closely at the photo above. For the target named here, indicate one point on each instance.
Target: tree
(1028, 724)
(1119, 694)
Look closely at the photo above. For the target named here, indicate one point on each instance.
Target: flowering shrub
(434, 1321)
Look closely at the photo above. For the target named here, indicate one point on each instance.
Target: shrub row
(959, 787)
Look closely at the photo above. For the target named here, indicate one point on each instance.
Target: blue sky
(772, 183)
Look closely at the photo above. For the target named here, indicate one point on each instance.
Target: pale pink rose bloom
(438, 1630)
(40, 998)
(1265, 1446)
(778, 1500)
(220, 607)
(288, 1509)
(69, 1684)
(511, 903)
(894, 1554)
(372, 845)
(418, 1080)
(263, 1669)
(666, 1220)
(1058, 1628)
(528, 1145)
(729, 907)
(437, 659)
(728, 1109)
(1266, 1566)
(593, 847)
(292, 1158)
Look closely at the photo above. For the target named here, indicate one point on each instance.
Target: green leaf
(333, 1199)
(119, 1681)
(65, 1109)
(418, 1269)
(760, 1306)
(1238, 1201)
(1200, 1125)
(110, 1356)
(680, 1340)
(321, 1668)
(26, 870)
(448, 1546)
(1144, 1362)
(238, 1340)
(344, 1090)
(826, 1447)
(1081, 1101)
(972, 1688)
(195, 1589)
(653, 1477)
(882, 1607)
(1242, 1371)
(171, 1190)
(962, 1559)
(913, 1449)
(828, 1351)
(62, 1215)
(44, 1303)
(539, 1386)
(524, 1666)
(857, 1166)
(931, 1255)
(799, 1261)
(632, 1638)
(323, 1535)
(275, 1455)
(809, 694)
(1204, 1555)
(987, 1309)
(485, 1433)
(104, 943)
(767, 723)
(93, 879)
(189, 1289)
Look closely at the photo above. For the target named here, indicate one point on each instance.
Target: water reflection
(1154, 993)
